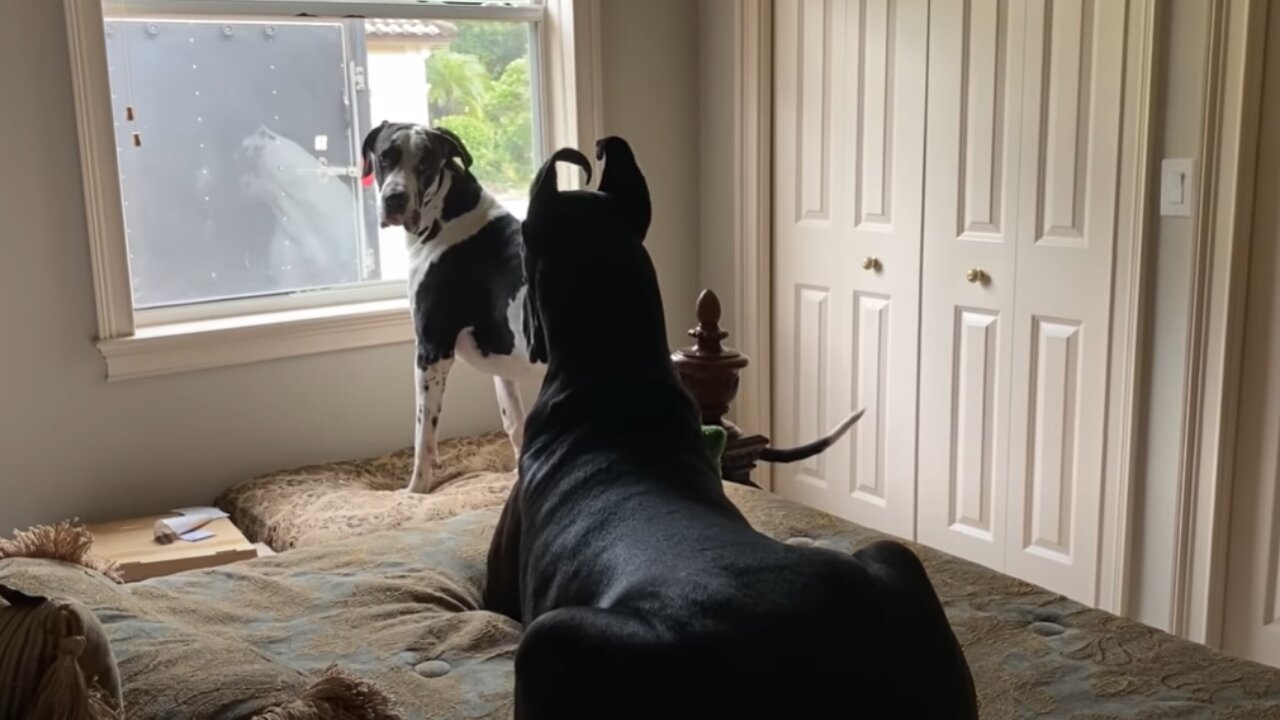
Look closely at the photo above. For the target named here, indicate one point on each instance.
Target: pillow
(55, 661)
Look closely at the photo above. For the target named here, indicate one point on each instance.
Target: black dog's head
(408, 162)
(592, 288)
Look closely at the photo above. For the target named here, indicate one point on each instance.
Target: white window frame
(243, 331)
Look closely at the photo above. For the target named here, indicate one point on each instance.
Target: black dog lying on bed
(644, 591)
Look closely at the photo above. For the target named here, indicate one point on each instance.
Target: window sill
(205, 344)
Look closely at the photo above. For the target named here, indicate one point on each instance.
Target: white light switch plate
(1177, 191)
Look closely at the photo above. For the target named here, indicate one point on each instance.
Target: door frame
(1215, 339)
(753, 253)
(1131, 275)
(752, 179)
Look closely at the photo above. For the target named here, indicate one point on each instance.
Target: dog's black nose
(395, 203)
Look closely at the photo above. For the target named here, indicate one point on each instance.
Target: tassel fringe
(337, 695)
(64, 694)
(64, 541)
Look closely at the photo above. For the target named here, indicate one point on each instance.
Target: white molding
(1130, 277)
(752, 214)
(104, 212)
(570, 71)
(588, 57)
(209, 344)
(1215, 337)
(572, 77)
(434, 10)
(240, 307)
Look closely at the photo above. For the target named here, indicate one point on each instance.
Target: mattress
(395, 598)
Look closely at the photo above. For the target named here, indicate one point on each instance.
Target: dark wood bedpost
(710, 371)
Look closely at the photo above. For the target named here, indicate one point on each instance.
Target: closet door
(1074, 70)
(970, 224)
(849, 137)
(1022, 179)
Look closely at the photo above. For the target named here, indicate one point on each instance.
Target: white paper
(196, 535)
(211, 513)
(184, 524)
(189, 518)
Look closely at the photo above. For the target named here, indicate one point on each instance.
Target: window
(236, 127)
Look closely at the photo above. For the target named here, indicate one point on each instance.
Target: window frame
(566, 56)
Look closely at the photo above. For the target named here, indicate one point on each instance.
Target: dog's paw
(418, 485)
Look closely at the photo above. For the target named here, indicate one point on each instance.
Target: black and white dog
(644, 591)
(466, 288)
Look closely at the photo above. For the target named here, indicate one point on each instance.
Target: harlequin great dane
(466, 289)
(644, 591)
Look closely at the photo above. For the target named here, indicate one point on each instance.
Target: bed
(388, 586)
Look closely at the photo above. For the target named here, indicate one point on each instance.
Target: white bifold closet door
(849, 150)
(978, 339)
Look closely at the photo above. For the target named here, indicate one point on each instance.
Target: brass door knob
(976, 276)
(871, 263)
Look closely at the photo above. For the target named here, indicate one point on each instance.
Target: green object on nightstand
(715, 438)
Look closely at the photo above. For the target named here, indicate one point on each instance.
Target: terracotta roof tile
(424, 29)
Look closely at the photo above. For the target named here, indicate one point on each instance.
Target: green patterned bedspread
(401, 607)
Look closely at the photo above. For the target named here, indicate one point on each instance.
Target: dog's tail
(790, 455)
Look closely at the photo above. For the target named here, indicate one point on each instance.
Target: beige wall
(72, 444)
(716, 152)
(651, 98)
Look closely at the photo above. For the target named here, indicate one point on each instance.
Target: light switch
(1176, 191)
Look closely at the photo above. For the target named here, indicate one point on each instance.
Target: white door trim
(1215, 333)
(1130, 277)
(753, 214)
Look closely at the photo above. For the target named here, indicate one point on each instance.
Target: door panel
(849, 135)
(811, 376)
(975, 90)
(1074, 58)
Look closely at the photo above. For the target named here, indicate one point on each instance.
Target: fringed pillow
(55, 661)
(337, 695)
(65, 542)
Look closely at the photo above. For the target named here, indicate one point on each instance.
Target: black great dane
(644, 592)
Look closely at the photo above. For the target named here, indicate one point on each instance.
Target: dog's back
(651, 596)
(645, 592)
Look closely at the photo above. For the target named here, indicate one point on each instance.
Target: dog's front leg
(430, 379)
(512, 407)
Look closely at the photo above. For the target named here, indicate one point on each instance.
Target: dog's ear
(622, 181)
(533, 327)
(455, 146)
(367, 161)
(545, 184)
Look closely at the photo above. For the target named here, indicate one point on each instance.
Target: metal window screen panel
(242, 183)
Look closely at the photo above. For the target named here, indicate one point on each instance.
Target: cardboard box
(132, 544)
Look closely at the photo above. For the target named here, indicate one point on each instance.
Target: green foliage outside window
(480, 89)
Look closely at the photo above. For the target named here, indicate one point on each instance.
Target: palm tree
(459, 83)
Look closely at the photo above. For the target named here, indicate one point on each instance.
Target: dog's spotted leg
(512, 407)
(430, 381)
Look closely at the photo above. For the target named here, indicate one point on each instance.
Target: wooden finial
(708, 368)
(708, 335)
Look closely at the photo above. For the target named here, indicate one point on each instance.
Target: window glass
(239, 141)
